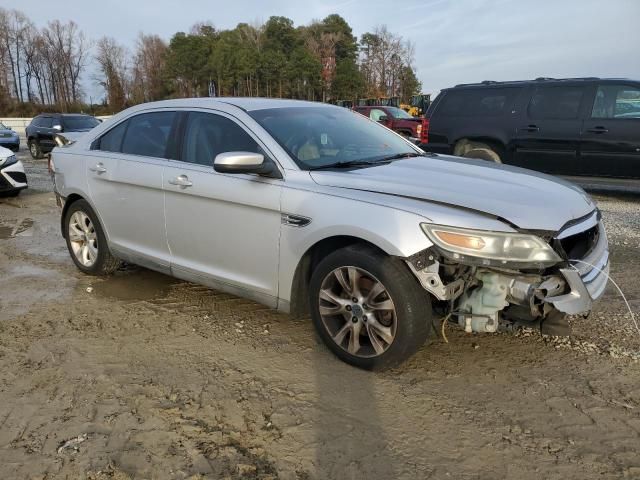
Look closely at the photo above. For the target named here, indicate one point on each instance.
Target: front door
(548, 131)
(223, 229)
(124, 172)
(610, 141)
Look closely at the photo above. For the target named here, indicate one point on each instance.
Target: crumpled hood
(527, 199)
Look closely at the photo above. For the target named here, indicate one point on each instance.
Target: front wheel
(368, 308)
(87, 242)
(35, 150)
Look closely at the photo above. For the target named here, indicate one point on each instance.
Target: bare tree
(384, 56)
(149, 64)
(112, 59)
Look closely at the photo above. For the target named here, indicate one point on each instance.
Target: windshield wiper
(399, 156)
(351, 163)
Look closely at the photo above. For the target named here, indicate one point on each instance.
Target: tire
(408, 325)
(34, 149)
(100, 261)
(483, 153)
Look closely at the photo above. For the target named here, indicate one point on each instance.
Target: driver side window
(207, 135)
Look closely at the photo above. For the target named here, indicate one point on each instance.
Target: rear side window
(36, 121)
(207, 135)
(46, 122)
(616, 101)
(555, 103)
(147, 134)
(481, 102)
(112, 140)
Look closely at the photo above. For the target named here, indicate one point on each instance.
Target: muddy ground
(142, 376)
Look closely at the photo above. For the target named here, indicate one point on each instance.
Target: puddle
(22, 228)
(136, 284)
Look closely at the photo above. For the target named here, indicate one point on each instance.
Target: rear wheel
(478, 150)
(34, 149)
(368, 308)
(87, 242)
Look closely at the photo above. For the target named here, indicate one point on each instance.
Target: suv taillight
(424, 134)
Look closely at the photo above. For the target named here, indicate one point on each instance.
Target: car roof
(245, 103)
(63, 115)
(540, 81)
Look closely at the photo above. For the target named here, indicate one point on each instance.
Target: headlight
(10, 160)
(492, 248)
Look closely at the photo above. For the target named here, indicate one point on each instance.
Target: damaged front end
(522, 279)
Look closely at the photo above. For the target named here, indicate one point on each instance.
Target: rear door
(610, 141)
(125, 183)
(223, 229)
(547, 133)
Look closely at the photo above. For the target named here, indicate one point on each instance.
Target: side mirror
(57, 127)
(245, 162)
(382, 118)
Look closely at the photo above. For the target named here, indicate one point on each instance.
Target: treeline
(41, 69)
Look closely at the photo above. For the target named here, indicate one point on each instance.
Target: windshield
(3, 126)
(398, 112)
(80, 122)
(320, 136)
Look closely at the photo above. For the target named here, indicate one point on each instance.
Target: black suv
(574, 126)
(42, 129)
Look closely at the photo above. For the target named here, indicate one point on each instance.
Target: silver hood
(527, 199)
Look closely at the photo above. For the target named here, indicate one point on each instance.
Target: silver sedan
(318, 211)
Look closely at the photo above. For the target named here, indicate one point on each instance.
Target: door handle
(181, 181)
(99, 168)
(529, 128)
(598, 130)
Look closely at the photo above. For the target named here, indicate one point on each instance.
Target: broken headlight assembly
(499, 249)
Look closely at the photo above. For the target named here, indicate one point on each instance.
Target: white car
(13, 179)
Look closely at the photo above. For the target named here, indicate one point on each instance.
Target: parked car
(42, 130)
(316, 210)
(12, 176)
(394, 118)
(8, 138)
(582, 126)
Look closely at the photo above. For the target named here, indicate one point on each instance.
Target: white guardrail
(20, 123)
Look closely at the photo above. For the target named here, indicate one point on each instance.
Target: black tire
(34, 149)
(105, 263)
(412, 304)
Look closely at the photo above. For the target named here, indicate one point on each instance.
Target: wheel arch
(299, 304)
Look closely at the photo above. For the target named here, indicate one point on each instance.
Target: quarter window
(207, 135)
(559, 103)
(616, 101)
(147, 134)
(112, 140)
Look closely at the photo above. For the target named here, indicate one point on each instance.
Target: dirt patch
(166, 379)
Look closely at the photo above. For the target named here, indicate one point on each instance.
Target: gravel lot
(143, 376)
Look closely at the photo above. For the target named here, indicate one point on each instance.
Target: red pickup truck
(394, 118)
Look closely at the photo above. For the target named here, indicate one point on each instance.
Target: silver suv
(316, 210)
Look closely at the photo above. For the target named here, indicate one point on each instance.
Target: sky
(456, 41)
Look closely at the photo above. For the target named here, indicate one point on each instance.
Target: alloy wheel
(83, 238)
(357, 312)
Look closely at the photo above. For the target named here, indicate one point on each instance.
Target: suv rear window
(481, 102)
(559, 103)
